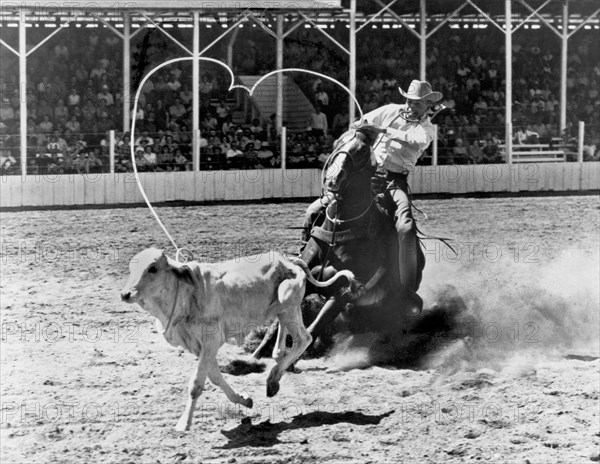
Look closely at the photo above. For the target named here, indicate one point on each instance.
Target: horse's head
(350, 160)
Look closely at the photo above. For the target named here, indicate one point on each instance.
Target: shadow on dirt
(266, 434)
(243, 367)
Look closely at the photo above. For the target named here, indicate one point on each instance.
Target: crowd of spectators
(467, 66)
(76, 97)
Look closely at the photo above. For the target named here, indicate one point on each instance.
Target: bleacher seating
(468, 72)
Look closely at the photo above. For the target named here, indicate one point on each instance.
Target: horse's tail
(345, 273)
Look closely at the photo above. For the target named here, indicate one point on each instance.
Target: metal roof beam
(262, 25)
(330, 37)
(485, 15)
(533, 13)
(167, 34)
(541, 18)
(9, 47)
(399, 19)
(110, 26)
(585, 21)
(383, 10)
(233, 27)
(46, 39)
(293, 27)
(446, 19)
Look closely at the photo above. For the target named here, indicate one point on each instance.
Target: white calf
(201, 305)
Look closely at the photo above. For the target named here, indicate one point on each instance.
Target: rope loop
(183, 255)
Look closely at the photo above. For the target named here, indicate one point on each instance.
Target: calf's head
(152, 275)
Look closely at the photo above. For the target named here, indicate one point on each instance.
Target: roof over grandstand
(491, 7)
(320, 10)
(173, 5)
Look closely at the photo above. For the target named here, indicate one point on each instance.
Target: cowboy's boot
(407, 266)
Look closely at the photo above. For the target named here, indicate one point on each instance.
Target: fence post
(508, 143)
(283, 148)
(580, 141)
(196, 149)
(434, 154)
(111, 150)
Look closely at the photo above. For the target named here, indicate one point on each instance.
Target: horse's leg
(326, 316)
(258, 353)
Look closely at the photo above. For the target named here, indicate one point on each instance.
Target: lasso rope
(232, 86)
(135, 171)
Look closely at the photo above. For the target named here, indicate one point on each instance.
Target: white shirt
(403, 143)
(151, 158)
(74, 99)
(318, 121)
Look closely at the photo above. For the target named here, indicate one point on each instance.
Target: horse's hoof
(272, 389)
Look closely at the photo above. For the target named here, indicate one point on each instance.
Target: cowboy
(407, 131)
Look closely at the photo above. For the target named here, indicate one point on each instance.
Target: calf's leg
(215, 376)
(196, 385)
(280, 345)
(291, 321)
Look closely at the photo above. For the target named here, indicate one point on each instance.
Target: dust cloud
(504, 316)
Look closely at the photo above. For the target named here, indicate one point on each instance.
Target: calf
(201, 305)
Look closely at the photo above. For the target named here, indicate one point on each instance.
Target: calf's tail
(345, 273)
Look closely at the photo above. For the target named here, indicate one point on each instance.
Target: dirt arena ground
(86, 378)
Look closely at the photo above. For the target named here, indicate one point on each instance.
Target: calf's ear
(184, 273)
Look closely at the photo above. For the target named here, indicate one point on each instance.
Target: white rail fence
(265, 184)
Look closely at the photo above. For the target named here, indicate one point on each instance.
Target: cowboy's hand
(378, 184)
(370, 130)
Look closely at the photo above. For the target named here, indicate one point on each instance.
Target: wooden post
(283, 148)
(508, 69)
(111, 150)
(580, 141)
(434, 155)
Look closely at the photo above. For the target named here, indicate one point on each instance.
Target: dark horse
(355, 232)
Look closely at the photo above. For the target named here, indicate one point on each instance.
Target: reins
(337, 221)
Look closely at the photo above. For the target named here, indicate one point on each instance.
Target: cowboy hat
(421, 90)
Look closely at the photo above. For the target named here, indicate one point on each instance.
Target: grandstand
(511, 73)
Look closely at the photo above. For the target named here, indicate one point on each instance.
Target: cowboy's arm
(372, 118)
(417, 136)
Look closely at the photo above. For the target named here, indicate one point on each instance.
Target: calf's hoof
(272, 389)
(182, 426)
(247, 401)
